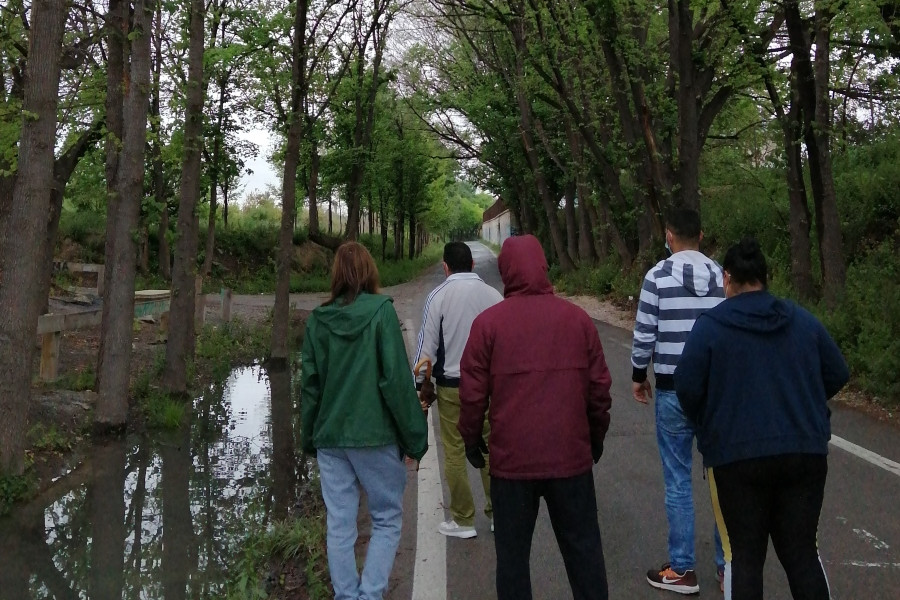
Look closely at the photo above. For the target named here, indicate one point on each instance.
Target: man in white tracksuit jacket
(449, 311)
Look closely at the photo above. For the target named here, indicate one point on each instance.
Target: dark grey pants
(572, 505)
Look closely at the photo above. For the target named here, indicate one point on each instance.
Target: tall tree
(118, 298)
(368, 82)
(814, 95)
(281, 317)
(181, 342)
(22, 254)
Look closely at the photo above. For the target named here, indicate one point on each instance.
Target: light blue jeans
(382, 474)
(675, 437)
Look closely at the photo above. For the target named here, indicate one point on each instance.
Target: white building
(498, 223)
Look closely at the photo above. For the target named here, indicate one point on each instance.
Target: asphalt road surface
(859, 535)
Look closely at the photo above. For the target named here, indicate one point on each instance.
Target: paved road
(859, 530)
(859, 533)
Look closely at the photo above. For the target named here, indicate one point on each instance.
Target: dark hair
(458, 257)
(684, 223)
(746, 263)
(352, 273)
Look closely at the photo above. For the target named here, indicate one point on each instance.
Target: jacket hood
(523, 267)
(754, 311)
(350, 320)
(694, 271)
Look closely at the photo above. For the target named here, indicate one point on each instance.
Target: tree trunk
(159, 176)
(116, 27)
(365, 111)
(284, 460)
(106, 499)
(526, 127)
(181, 341)
(382, 221)
(281, 312)
(801, 260)
(22, 254)
(571, 220)
(63, 167)
(411, 251)
(177, 533)
(834, 269)
(118, 298)
(681, 36)
(312, 188)
(586, 253)
(214, 183)
(812, 86)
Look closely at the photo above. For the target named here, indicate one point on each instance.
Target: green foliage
(867, 178)
(162, 411)
(299, 541)
(221, 346)
(605, 279)
(251, 237)
(86, 228)
(13, 489)
(49, 438)
(867, 323)
(79, 381)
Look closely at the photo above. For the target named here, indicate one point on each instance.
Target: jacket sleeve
(310, 389)
(396, 385)
(645, 329)
(599, 399)
(835, 373)
(692, 372)
(474, 383)
(430, 331)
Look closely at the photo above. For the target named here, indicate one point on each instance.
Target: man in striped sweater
(449, 311)
(674, 293)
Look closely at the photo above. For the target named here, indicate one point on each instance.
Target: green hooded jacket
(356, 390)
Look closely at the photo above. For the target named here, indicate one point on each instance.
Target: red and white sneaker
(665, 578)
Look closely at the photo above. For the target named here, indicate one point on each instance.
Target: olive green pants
(462, 505)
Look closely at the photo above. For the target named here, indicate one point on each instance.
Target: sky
(263, 173)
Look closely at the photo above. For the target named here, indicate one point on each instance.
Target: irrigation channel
(163, 515)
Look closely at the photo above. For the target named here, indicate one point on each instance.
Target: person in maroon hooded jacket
(537, 360)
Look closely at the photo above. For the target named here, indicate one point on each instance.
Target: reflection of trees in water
(284, 459)
(163, 516)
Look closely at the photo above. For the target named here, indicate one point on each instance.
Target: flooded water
(162, 516)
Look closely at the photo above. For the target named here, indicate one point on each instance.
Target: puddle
(163, 516)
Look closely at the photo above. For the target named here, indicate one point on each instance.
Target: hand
(475, 454)
(427, 395)
(641, 391)
(596, 452)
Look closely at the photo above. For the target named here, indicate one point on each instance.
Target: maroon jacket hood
(523, 267)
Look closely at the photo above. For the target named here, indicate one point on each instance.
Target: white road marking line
(430, 568)
(878, 565)
(430, 575)
(871, 539)
(867, 455)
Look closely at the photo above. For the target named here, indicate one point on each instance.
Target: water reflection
(162, 517)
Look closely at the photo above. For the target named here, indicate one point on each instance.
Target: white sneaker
(453, 529)
(492, 526)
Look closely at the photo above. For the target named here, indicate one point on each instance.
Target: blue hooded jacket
(754, 377)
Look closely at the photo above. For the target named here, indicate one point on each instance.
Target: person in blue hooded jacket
(755, 377)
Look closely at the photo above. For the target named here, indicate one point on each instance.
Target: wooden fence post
(226, 304)
(50, 355)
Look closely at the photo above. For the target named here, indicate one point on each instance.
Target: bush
(867, 324)
(87, 229)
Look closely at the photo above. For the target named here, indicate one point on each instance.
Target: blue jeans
(382, 474)
(675, 437)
